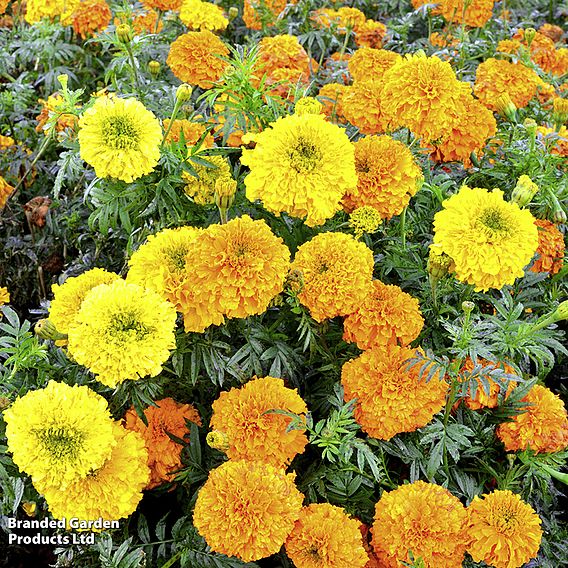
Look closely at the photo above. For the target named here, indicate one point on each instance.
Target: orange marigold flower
(422, 518)
(443, 39)
(164, 455)
(543, 427)
(163, 5)
(3, 5)
(542, 49)
(331, 97)
(255, 433)
(49, 108)
(495, 77)
(503, 530)
(90, 17)
(362, 107)
(370, 34)
(325, 535)
(422, 94)
(391, 397)
(194, 58)
(5, 191)
(259, 12)
(473, 13)
(344, 18)
(557, 142)
(555, 33)
(192, 132)
(247, 509)
(435, 6)
(561, 65)
(387, 174)
(368, 64)
(146, 23)
(387, 316)
(550, 251)
(337, 271)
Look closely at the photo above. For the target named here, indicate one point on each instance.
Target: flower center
(119, 133)
(177, 258)
(493, 219)
(125, 327)
(60, 443)
(305, 156)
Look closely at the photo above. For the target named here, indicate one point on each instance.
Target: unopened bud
(307, 105)
(561, 312)
(530, 34)
(294, 280)
(559, 215)
(29, 508)
(467, 307)
(524, 191)
(560, 114)
(530, 126)
(183, 93)
(439, 263)
(506, 107)
(124, 33)
(218, 440)
(233, 13)
(225, 189)
(46, 330)
(63, 79)
(154, 68)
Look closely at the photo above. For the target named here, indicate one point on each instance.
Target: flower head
(198, 15)
(391, 397)
(247, 509)
(163, 5)
(191, 132)
(325, 535)
(368, 64)
(489, 239)
(362, 106)
(503, 530)
(122, 332)
(363, 220)
(257, 13)
(330, 95)
(255, 433)
(5, 191)
(551, 248)
(473, 13)
(120, 138)
(302, 165)
(59, 434)
(36, 10)
(201, 187)
(90, 17)
(4, 295)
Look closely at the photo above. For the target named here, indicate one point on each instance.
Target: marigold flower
(196, 58)
(253, 432)
(550, 251)
(387, 316)
(163, 5)
(247, 509)
(331, 96)
(110, 492)
(201, 188)
(541, 48)
(489, 239)
(163, 454)
(59, 434)
(4, 296)
(337, 271)
(387, 173)
(198, 15)
(191, 132)
(368, 64)
(503, 530)
(325, 535)
(555, 33)
(146, 23)
(362, 105)
(5, 191)
(307, 105)
(543, 427)
(472, 13)
(301, 165)
(370, 34)
(422, 518)
(391, 397)
(237, 268)
(3, 6)
(6, 142)
(49, 108)
(90, 17)
(120, 138)
(122, 332)
(257, 13)
(363, 220)
(36, 10)
(557, 142)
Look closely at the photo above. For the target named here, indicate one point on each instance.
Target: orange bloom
(423, 518)
(344, 18)
(370, 34)
(561, 64)
(331, 97)
(90, 17)
(391, 397)
(543, 427)
(555, 33)
(5, 191)
(146, 23)
(362, 107)
(368, 64)
(163, 5)
(550, 249)
(49, 108)
(164, 455)
(192, 132)
(557, 142)
(442, 39)
(387, 173)
(194, 58)
(542, 50)
(3, 5)
(253, 433)
(257, 12)
(387, 316)
(476, 15)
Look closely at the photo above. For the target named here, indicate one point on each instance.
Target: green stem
(403, 228)
(136, 79)
(172, 560)
(175, 112)
(158, 19)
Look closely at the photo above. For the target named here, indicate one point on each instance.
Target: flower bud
(183, 93)
(63, 79)
(524, 191)
(506, 107)
(225, 189)
(439, 263)
(46, 330)
(530, 34)
(307, 105)
(29, 508)
(233, 13)
(561, 312)
(559, 215)
(467, 307)
(560, 114)
(154, 68)
(530, 126)
(124, 33)
(218, 440)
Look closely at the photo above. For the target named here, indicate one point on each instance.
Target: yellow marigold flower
(196, 58)
(489, 239)
(391, 398)
(6, 142)
(163, 454)
(344, 18)
(387, 316)
(363, 220)
(5, 191)
(238, 268)
(330, 96)
(472, 13)
(120, 138)
(90, 17)
(560, 113)
(368, 64)
(191, 131)
(307, 105)
(551, 249)
(325, 535)
(543, 427)
(422, 94)
(301, 165)
(247, 509)
(439, 263)
(198, 15)
(163, 5)
(59, 434)
(423, 518)
(388, 176)
(370, 34)
(146, 23)
(362, 105)
(561, 65)
(503, 530)
(202, 188)
(68, 297)
(497, 76)
(4, 296)
(36, 10)
(253, 432)
(122, 332)
(111, 491)
(337, 271)
(49, 108)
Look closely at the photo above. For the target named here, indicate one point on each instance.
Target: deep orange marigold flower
(368, 64)
(551, 248)
(543, 427)
(503, 530)
(442, 39)
(542, 50)
(331, 97)
(247, 509)
(387, 316)
(422, 518)
(473, 13)
(195, 58)
(387, 176)
(325, 535)
(555, 33)
(253, 432)
(363, 107)
(192, 132)
(5, 191)
(163, 5)
(146, 23)
(90, 17)
(337, 272)
(370, 34)
(164, 455)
